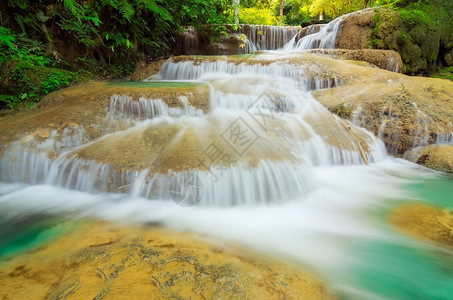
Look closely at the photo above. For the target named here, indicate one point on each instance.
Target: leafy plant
(257, 16)
(26, 74)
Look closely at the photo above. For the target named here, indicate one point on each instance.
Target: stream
(266, 166)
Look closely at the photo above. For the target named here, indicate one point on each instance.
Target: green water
(400, 266)
(26, 236)
(434, 191)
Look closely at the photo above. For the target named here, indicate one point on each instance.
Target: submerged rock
(425, 222)
(438, 157)
(102, 260)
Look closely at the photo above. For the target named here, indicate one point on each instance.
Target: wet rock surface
(438, 157)
(87, 105)
(403, 111)
(384, 59)
(100, 260)
(146, 69)
(426, 222)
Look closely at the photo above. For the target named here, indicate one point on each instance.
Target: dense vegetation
(45, 43)
(48, 44)
(421, 31)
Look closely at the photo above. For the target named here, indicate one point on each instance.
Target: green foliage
(421, 31)
(334, 8)
(294, 11)
(342, 110)
(445, 73)
(27, 74)
(257, 16)
(103, 38)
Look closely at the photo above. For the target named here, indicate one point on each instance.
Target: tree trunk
(281, 12)
(365, 4)
(321, 15)
(236, 4)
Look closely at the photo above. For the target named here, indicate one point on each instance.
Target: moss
(420, 32)
(344, 111)
(446, 73)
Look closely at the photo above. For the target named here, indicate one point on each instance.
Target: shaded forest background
(49, 44)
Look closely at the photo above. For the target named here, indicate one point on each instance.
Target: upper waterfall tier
(244, 39)
(320, 37)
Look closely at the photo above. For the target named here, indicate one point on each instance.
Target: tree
(281, 12)
(334, 8)
(236, 4)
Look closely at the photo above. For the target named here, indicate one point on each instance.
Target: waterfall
(319, 36)
(242, 40)
(286, 135)
(191, 68)
(235, 148)
(324, 39)
(267, 37)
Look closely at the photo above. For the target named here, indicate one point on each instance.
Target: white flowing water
(266, 37)
(298, 187)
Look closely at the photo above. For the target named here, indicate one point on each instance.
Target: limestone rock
(355, 30)
(405, 112)
(86, 105)
(384, 59)
(145, 70)
(225, 46)
(438, 157)
(100, 260)
(425, 222)
(42, 133)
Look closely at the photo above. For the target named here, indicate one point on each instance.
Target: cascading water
(324, 39)
(265, 165)
(266, 37)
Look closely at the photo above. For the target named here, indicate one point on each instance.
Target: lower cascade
(258, 142)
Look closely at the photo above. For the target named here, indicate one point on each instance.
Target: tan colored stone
(42, 133)
(384, 59)
(355, 30)
(105, 261)
(438, 157)
(408, 111)
(425, 222)
(145, 70)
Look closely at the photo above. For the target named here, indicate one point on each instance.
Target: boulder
(233, 44)
(438, 157)
(355, 30)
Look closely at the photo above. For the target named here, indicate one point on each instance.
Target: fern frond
(126, 9)
(156, 9)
